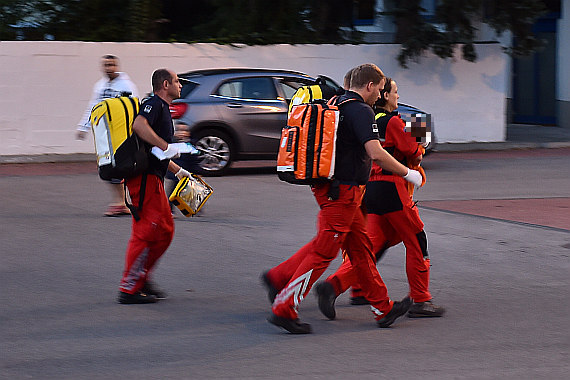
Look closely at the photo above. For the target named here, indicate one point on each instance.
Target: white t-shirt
(104, 89)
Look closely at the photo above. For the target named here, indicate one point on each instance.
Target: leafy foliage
(269, 22)
(455, 22)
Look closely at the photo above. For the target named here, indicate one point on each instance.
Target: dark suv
(237, 114)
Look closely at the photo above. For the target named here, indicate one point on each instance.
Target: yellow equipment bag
(306, 94)
(190, 194)
(120, 153)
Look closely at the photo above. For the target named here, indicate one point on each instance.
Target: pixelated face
(419, 125)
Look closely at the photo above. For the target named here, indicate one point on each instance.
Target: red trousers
(150, 236)
(388, 230)
(340, 224)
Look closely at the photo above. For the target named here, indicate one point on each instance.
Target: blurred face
(110, 68)
(392, 98)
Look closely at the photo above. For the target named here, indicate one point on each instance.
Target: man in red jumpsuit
(392, 216)
(341, 222)
(152, 233)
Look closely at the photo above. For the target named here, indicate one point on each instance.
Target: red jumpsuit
(340, 224)
(392, 215)
(150, 236)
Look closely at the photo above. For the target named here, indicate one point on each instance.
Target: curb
(45, 158)
(496, 146)
(441, 148)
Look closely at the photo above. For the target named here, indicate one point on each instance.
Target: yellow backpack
(120, 153)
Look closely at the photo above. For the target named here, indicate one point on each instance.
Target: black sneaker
(150, 288)
(327, 297)
(294, 326)
(360, 300)
(271, 290)
(425, 310)
(139, 297)
(398, 309)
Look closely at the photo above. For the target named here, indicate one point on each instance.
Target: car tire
(217, 151)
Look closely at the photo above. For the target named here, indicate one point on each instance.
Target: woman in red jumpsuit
(392, 214)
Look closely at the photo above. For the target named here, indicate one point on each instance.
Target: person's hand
(414, 177)
(80, 135)
(182, 173)
(171, 152)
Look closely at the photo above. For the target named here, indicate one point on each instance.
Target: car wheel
(217, 151)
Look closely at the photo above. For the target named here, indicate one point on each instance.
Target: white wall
(45, 86)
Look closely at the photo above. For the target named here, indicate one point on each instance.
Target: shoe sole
(286, 324)
(417, 315)
(115, 214)
(392, 319)
(135, 302)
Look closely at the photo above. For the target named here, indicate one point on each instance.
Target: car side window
(249, 88)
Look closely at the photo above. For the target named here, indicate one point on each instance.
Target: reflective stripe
(136, 271)
(296, 289)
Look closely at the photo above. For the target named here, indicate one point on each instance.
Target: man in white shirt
(114, 83)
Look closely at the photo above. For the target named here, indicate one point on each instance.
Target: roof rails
(236, 70)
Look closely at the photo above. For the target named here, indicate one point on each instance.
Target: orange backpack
(307, 149)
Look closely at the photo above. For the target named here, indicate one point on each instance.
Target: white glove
(182, 173)
(414, 177)
(171, 152)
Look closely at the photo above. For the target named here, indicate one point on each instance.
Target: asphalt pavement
(499, 240)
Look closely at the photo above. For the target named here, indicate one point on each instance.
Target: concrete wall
(563, 63)
(45, 86)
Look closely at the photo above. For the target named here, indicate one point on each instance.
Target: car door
(252, 107)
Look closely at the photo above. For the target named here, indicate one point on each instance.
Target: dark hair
(158, 78)
(346, 80)
(363, 74)
(387, 88)
(110, 56)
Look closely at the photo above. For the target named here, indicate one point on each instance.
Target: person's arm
(173, 167)
(386, 161)
(177, 170)
(383, 158)
(83, 126)
(133, 88)
(143, 129)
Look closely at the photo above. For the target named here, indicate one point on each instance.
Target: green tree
(266, 22)
(455, 23)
